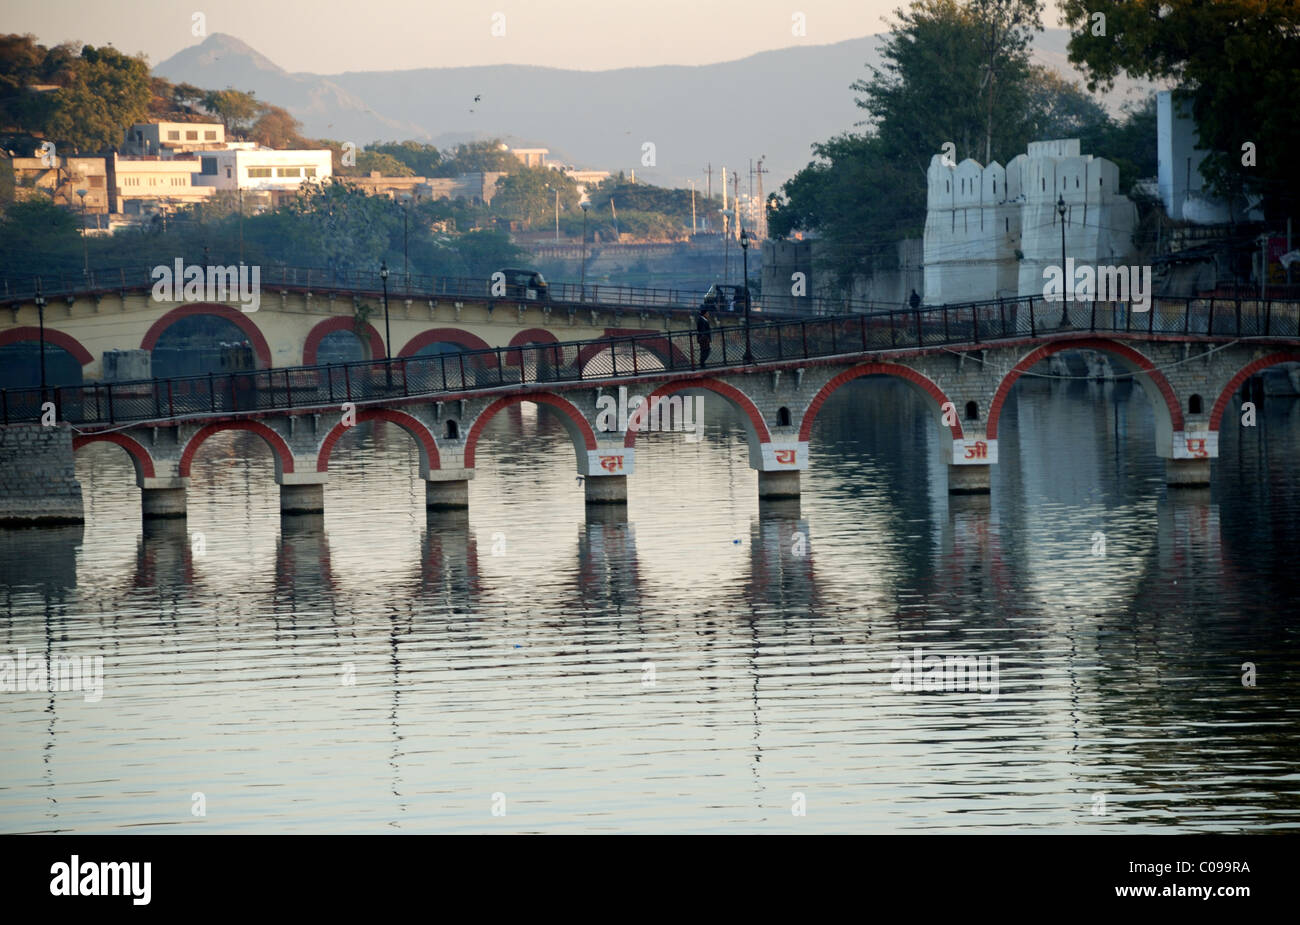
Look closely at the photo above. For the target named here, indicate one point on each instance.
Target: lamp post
(1065, 303)
(744, 247)
(388, 331)
(85, 253)
(40, 312)
(586, 204)
(726, 246)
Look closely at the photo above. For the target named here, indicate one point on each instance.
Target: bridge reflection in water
(505, 648)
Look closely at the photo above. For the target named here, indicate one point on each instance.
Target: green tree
(110, 91)
(951, 72)
(37, 238)
(337, 226)
(1006, 27)
(528, 194)
(186, 97)
(673, 204)
(386, 164)
(276, 128)
(422, 159)
(236, 109)
(485, 252)
(477, 156)
(1237, 63)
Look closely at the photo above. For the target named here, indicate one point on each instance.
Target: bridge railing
(370, 283)
(728, 345)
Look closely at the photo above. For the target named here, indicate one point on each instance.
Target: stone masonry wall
(38, 480)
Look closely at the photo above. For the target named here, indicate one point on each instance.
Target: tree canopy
(952, 73)
(1237, 63)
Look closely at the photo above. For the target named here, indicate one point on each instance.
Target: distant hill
(775, 103)
(326, 109)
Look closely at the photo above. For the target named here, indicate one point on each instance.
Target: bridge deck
(770, 344)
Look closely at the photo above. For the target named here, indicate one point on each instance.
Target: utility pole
(725, 227)
(708, 172)
(692, 207)
(762, 203)
(735, 198)
(751, 189)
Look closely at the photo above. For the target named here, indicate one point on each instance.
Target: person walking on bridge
(914, 300)
(702, 328)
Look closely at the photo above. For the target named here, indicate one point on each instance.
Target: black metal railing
(287, 388)
(361, 282)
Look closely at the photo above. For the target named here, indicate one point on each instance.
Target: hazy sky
(328, 36)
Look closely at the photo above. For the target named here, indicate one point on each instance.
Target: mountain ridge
(777, 102)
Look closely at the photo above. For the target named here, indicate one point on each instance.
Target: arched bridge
(296, 310)
(1191, 356)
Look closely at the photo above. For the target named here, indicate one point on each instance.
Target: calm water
(378, 669)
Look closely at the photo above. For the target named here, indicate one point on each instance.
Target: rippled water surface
(700, 664)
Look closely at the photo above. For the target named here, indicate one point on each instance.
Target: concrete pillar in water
(772, 485)
(162, 502)
(969, 480)
(1187, 473)
(450, 494)
(302, 499)
(303, 490)
(606, 489)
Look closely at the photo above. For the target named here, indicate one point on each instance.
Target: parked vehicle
(525, 285)
(727, 298)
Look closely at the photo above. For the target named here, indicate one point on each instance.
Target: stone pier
(38, 478)
(606, 489)
(302, 499)
(969, 480)
(448, 495)
(162, 502)
(1187, 473)
(773, 485)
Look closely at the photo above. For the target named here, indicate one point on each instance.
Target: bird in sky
(477, 97)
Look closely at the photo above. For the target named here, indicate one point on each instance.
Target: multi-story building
(393, 187)
(60, 178)
(263, 169)
(478, 187)
(163, 139)
(531, 157)
(146, 185)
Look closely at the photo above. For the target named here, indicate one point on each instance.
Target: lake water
(699, 664)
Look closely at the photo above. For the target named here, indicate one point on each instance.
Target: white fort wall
(978, 217)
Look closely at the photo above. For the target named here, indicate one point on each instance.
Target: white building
(146, 185)
(262, 169)
(163, 138)
(1182, 188)
(990, 231)
(531, 157)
